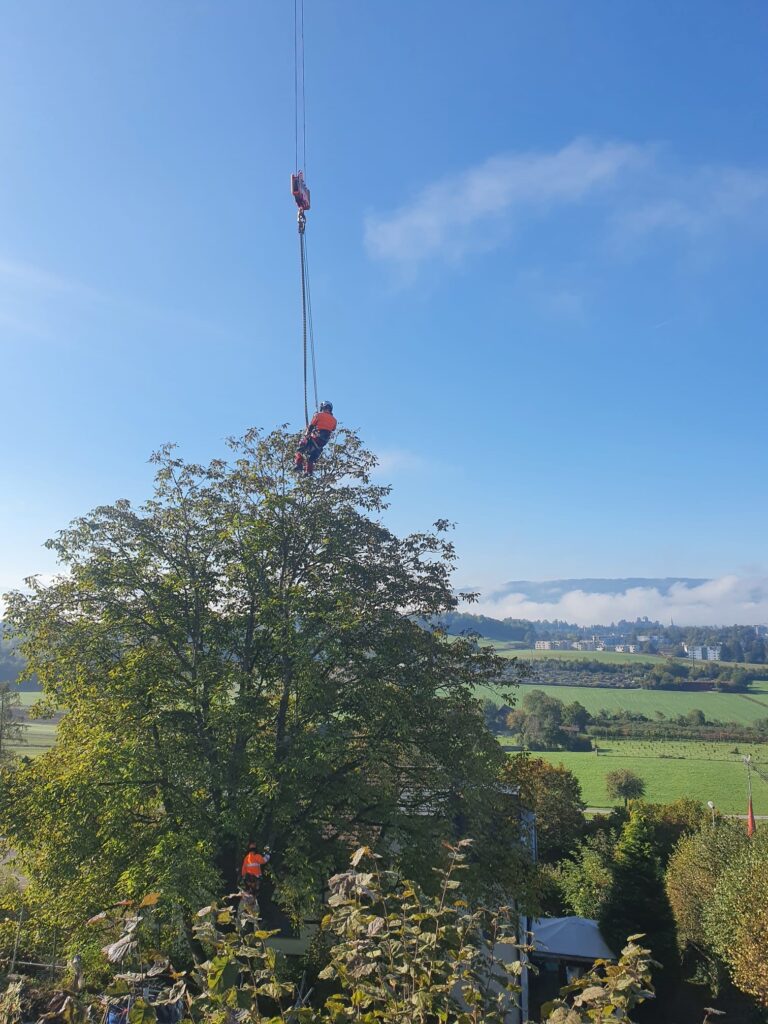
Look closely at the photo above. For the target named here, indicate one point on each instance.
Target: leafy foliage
(554, 795)
(691, 879)
(585, 879)
(239, 658)
(717, 880)
(538, 722)
(608, 992)
(736, 918)
(623, 784)
(637, 901)
(11, 727)
(396, 955)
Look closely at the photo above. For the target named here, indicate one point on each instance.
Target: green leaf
(141, 1013)
(222, 974)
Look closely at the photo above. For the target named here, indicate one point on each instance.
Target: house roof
(569, 938)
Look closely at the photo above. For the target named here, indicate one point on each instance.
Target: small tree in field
(623, 784)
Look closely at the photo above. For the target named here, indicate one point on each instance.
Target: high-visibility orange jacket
(323, 421)
(252, 864)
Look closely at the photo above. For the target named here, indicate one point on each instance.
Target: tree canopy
(239, 657)
(637, 902)
(623, 784)
(553, 793)
(717, 881)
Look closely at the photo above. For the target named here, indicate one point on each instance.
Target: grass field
(27, 699)
(508, 650)
(38, 737)
(705, 771)
(743, 708)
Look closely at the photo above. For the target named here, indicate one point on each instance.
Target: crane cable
(300, 114)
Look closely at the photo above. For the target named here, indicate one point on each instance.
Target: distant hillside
(493, 629)
(11, 665)
(547, 591)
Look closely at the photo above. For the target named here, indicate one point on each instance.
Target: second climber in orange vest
(315, 438)
(253, 863)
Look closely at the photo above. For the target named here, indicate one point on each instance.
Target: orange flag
(750, 819)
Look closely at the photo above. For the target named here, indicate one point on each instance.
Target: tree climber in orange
(253, 863)
(315, 438)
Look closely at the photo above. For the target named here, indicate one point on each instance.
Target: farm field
(27, 699)
(508, 650)
(38, 737)
(743, 708)
(672, 769)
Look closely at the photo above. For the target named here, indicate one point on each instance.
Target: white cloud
(643, 193)
(447, 218)
(724, 601)
(696, 203)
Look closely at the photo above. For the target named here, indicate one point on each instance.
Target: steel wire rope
(310, 323)
(308, 333)
(296, 83)
(302, 264)
(303, 96)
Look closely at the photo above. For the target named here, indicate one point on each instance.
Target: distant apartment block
(553, 645)
(626, 648)
(585, 645)
(703, 652)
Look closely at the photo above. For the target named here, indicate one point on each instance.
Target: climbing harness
(301, 197)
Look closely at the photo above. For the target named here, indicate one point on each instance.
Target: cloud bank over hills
(687, 601)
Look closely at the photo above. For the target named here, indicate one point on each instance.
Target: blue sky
(538, 247)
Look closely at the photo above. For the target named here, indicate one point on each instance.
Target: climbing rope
(304, 308)
(301, 195)
(310, 325)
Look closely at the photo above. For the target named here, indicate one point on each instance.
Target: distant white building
(703, 652)
(584, 645)
(626, 648)
(552, 645)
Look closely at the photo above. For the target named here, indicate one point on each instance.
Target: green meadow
(673, 769)
(28, 699)
(744, 708)
(38, 737)
(509, 650)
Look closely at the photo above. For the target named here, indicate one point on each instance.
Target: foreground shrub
(395, 955)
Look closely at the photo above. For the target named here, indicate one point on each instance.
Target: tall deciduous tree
(239, 657)
(538, 721)
(691, 878)
(717, 880)
(554, 795)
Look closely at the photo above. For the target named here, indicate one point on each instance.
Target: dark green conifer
(637, 902)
